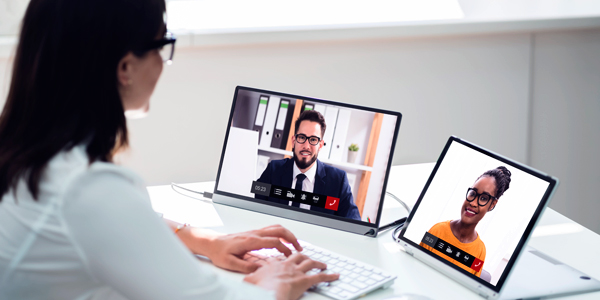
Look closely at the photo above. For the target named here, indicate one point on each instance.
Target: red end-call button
(477, 264)
(332, 203)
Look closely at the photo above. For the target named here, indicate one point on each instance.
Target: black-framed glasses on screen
(313, 140)
(165, 46)
(484, 197)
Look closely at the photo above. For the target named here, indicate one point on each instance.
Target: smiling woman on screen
(481, 198)
(74, 225)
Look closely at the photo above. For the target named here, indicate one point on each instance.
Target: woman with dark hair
(73, 225)
(461, 233)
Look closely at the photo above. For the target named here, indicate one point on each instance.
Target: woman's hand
(227, 251)
(288, 278)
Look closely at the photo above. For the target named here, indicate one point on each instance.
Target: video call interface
(475, 211)
(339, 172)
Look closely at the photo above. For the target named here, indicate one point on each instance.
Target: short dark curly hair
(313, 116)
(502, 176)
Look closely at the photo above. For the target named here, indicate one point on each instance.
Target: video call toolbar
(301, 197)
(453, 252)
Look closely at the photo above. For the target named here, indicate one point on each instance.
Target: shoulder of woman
(444, 225)
(481, 244)
(72, 170)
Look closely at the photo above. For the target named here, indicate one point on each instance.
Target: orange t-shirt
(476, 248)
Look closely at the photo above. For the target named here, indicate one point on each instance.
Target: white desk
(556, 235)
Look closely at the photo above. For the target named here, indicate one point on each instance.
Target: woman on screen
(74, 225)
(481, 198)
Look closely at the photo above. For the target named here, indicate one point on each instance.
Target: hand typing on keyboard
(289, 277)
(355, 278)
(227, 251)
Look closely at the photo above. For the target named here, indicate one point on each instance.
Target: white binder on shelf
(309, 106)
(338, 146)
(331, 114)
(269, 125)
(259, 118)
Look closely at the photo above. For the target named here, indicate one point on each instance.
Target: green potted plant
(352, 153)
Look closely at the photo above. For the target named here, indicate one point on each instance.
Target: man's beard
(301, 164)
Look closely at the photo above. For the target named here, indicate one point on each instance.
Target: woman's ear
(125, 69)
(493, 205)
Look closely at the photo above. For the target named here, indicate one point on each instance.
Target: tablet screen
(476, 210)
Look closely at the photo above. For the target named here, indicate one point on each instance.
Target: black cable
(391, 225)
(400, 221)
(396, 233)
(207, 195)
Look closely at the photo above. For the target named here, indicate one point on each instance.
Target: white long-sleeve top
(92, 234)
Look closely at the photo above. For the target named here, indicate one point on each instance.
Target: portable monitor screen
(308, 156)
(477, 210)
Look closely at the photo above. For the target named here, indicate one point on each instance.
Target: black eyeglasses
(313, 140)
(165, 46)
(484, 197)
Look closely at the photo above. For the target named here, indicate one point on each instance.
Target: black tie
(299, 180)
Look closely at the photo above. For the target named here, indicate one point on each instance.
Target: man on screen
(305, 172)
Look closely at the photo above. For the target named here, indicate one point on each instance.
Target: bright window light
(213, 16)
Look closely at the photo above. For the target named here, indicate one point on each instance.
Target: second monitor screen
(327, 159)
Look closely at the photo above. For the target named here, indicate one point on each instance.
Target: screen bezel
(527, 233)
(370, 229)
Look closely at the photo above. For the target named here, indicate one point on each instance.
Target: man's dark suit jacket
(329, 181)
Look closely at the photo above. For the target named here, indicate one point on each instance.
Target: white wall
(566, 120)
(476, 87)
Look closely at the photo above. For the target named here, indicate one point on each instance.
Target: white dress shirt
(308, 185)
(92, 234)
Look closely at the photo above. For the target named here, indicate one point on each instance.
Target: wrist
(202, 241)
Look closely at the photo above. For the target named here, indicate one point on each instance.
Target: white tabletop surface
(555, 235)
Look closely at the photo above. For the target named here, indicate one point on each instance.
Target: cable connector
(205, 194)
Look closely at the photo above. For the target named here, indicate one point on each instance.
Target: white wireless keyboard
(356, 278)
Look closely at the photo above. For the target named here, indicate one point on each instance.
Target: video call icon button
(332, 203)
(477, 264)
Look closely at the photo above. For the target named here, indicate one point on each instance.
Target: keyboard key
(345, 279)
(377, 277)
(354, 275)
(348, 287)
(341, 264)
(344, 294)
(370, 281)
(363, 278)
(350, 267)
(359, 285)
(335, 289)
(336, 283)
(366, 273)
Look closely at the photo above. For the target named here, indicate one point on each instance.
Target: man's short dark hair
(313, 116)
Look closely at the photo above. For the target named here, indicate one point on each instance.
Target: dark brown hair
(313, 116)
(63, 90)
